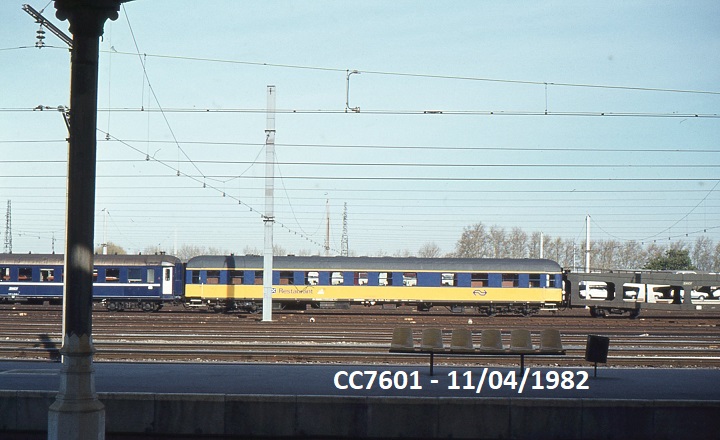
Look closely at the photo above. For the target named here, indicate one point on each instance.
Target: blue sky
(423, 158)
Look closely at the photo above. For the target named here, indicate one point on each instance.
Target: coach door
(167, 281)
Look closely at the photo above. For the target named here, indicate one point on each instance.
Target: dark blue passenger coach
(119, 281)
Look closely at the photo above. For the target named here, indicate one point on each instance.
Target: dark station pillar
(77, 413)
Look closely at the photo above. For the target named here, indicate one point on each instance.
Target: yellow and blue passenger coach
(489, 285)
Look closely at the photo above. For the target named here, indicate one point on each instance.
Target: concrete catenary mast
(587, 244)
(344, 245)
(8, 228)
(269, 217)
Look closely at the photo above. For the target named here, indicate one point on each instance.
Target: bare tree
(187, 251)
(403, 253)
(631, 255)
(534, 245)
(477, 241)
(603, 253)
(498, 242)
(429, 250)
(702, 254)
(552, 248)
(473, 242)
(654, 251)
(250, 250)
(517, 244)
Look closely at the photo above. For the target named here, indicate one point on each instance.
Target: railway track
(360, 336)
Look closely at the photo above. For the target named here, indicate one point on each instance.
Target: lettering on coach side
(294, 291)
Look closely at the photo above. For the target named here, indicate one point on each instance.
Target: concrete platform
(271, 400)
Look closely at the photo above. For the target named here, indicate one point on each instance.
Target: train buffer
(491, 344)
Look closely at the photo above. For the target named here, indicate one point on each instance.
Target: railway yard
(359, 335)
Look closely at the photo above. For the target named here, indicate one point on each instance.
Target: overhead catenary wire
(418, 112)
(343, 70)
(223, 177)
(431, 76)
(581, 149)
(385, 191)
(202, 179)
(389, 164)
(152, 91)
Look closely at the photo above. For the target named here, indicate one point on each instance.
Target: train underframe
(112, 305)
(602, 312)
(120, 305)
(483, 309)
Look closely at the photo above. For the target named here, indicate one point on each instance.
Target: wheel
(147, 306)
(424, 307)
(597, 313)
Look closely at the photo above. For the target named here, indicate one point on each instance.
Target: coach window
(337, 278)
(47, 275)
(312, 278)
(4, 274)
(448, 279)
(194, 277)
(510, 280)
(135, 275)
(479, 280)
(259, 277)
(236, 277)
(409, 279)
(287, 277)
(25, 274)
(112, 274)
(213, 277)
(95, 275)
(360, 278)
(385, 279)
(391, 278)
(534, 280)
(151, 276)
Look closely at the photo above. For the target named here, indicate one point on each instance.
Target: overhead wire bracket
(44, 22)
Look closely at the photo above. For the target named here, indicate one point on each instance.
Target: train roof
(99, 260)
(378, 263)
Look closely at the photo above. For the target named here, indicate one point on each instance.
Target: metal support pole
(77, 413)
